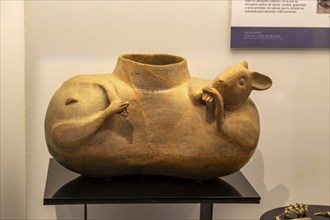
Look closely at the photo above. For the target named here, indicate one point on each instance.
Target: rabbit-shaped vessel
(150, 117)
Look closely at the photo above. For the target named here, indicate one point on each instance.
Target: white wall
(66, 38)
(12, 109)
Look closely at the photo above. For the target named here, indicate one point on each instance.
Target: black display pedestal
(64, 187)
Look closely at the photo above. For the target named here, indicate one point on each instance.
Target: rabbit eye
(70, 101)
(241, 81)
(220, 81)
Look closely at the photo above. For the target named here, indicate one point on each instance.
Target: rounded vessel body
(150, 117)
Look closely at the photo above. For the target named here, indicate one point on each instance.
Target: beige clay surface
(151, 117)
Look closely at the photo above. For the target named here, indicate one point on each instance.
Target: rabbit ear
(260, 81)
(245, 64)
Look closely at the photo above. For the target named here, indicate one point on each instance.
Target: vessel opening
(154, 59)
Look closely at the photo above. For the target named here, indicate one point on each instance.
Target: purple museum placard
(280, 24)
(276, 37)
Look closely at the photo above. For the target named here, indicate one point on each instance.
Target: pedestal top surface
(66, 187)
